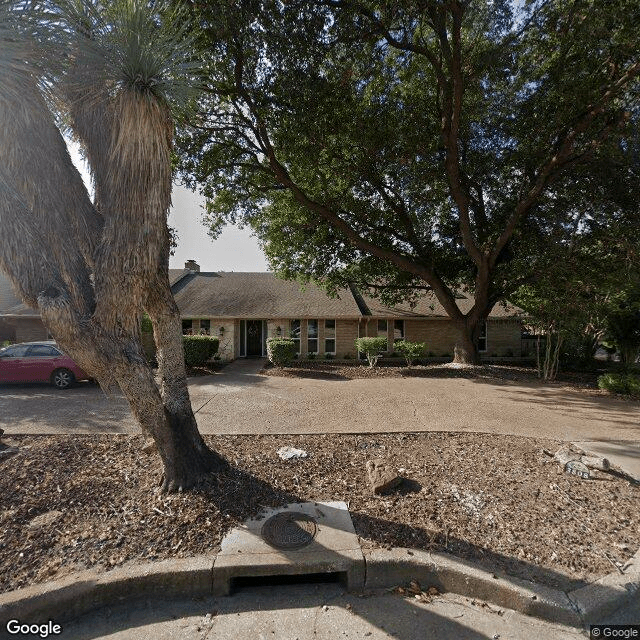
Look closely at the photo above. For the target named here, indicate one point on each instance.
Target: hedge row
(198, 349)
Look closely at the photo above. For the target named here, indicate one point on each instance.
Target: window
(295, 333)
(205, 327)
(382, 331)
(312, 336)
(19, 351)
(187, 327)
(330, 336)
(398, 330)
(43, 351)
(482, 338)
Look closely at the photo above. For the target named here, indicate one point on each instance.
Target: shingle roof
(257, 295)
(8, 298)
(175, 275)
(429, 306)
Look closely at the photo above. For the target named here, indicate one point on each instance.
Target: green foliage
(311, 356)
(623, 327)
(411, 350)
(623, 383)
(345, 112)
(372, 348)
(198, 349)
(146, 325)
(329, 356)
(281, 351)
(5, 343)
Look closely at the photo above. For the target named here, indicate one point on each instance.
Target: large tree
(113, 74)
(411, 145)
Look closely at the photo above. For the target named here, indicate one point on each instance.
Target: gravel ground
(74, 502)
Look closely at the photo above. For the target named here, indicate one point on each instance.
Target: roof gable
(258, 295)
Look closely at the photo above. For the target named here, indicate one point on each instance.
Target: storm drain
(301, 542)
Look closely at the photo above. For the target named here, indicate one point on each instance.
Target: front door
(254, 338)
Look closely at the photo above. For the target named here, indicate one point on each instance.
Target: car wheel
(62, 378)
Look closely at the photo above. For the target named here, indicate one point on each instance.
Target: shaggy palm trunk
(186, 457)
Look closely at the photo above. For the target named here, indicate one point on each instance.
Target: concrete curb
(70, 597)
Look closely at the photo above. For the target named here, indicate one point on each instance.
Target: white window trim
(486, 338)
(317, 338)
(299, 338)
(335, 337)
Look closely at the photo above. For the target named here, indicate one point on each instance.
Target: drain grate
(289, 530)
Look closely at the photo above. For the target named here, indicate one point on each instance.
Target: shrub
(372, 348)
(198, 349)
(281, 351)
(410, 350)
(145, 324)
(329, 356)
(311, 355)
(623, 383)
(347, 356)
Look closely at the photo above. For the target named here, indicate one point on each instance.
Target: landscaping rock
(289, 453)
(382, 477)
(45, 519)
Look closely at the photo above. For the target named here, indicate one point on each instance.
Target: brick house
(18, 322)
(245, 309)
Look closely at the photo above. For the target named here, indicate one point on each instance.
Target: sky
(234, 250)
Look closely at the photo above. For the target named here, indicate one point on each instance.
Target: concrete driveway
(240, 401)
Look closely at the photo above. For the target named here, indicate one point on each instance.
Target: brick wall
(226, 349)
(441, 335)
(504, 336)
(346, 334)
(30, 331)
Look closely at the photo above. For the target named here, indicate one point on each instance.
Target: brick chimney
(192, 265)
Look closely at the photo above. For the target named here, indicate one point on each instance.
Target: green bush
(410, 350)
(281, 351)
(198, 349)
(372, 348)
(311, 356)
(329, 356)
(623, 383)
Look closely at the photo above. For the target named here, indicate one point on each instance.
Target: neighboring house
(18, 322)
(245, 309)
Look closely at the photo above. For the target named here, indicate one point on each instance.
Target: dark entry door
(254, 338)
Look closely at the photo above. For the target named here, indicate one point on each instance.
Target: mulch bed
(497, 500)
(323, 370)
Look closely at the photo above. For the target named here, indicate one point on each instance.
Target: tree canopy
(414, 145)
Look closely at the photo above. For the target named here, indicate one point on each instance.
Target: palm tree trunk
(185, 455)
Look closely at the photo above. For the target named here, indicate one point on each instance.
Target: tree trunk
(465, 350)
(186, 457)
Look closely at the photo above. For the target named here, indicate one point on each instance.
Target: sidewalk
(306, 612)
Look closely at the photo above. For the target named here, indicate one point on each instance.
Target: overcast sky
(234, 250)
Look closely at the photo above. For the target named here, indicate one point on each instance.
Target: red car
(39, 362)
